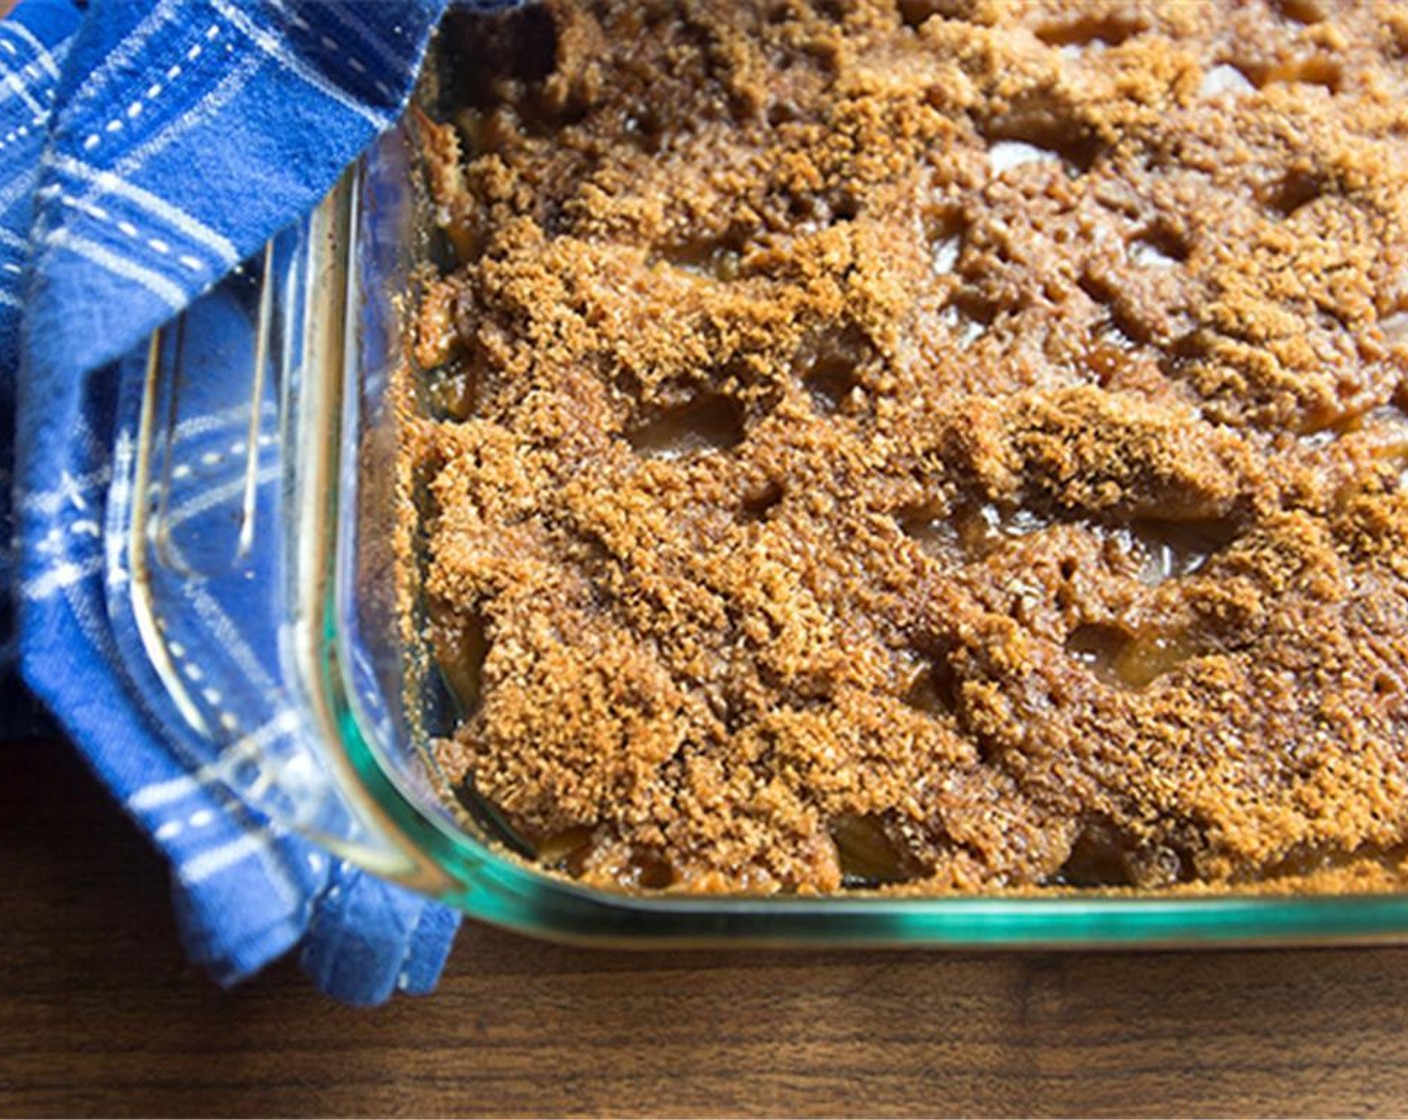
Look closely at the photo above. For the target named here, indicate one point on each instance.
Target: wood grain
(98, 1015)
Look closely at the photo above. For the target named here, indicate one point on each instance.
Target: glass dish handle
(214, 523)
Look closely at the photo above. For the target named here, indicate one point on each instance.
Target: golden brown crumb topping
(959, 444)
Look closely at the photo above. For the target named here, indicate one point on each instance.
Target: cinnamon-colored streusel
(958, 444)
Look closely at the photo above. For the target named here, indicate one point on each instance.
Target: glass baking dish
(327, 731)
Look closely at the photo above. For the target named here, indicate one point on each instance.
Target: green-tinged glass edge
(499, 890)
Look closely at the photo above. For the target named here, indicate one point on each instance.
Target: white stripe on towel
(111, 184)
(155, 283)
(211, 863)
(175, 789)
(271, 45)
(42, 53)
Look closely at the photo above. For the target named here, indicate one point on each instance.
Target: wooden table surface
(98, 1014)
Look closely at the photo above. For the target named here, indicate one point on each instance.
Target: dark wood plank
(98, 1014)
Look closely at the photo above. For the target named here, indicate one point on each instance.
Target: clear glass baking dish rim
(399, 837)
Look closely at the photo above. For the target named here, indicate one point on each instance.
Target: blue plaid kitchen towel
(145, 149)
